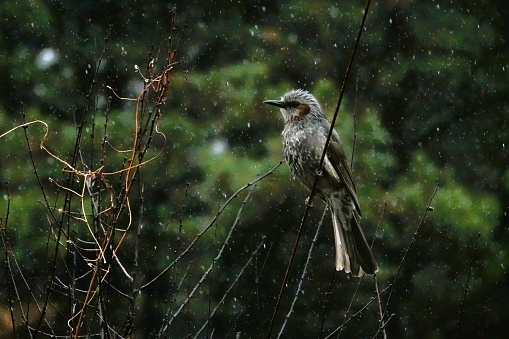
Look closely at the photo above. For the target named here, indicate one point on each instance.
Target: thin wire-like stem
(465, 290)
(258, 273)
(382, 328)
(356, 314)
(375, 279)
(352, 299)
(303, 275)
(354, 122)
(230, 288)
(191, 245)
(327, 302)
(414, 237)
(382, 324)
(11, 286)
(218, 256)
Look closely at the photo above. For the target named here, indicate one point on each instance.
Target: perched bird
(304, 137)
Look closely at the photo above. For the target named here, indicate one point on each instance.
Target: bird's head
(297, 105)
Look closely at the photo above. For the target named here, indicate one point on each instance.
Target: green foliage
(470, 212)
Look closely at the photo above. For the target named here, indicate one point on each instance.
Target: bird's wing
(337, 166)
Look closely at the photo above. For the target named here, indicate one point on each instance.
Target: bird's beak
(277, 103)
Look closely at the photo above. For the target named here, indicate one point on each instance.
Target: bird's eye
(292, 104)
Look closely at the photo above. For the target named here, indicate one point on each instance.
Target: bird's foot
(309, 202)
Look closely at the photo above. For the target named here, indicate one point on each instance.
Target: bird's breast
(302, 148)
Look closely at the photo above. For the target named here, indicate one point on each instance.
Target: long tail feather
(353, 253)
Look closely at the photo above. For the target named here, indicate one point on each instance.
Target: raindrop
(333, 12)
(47, 58)
(219, 146)
(40, 90)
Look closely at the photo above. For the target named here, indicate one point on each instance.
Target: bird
(304, 137)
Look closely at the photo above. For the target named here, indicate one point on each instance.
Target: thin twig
(254, 290)
(175, 272)
(218, 256)
(354, 122)
(164, 326)
(11, 286)
(382, 328)
(327, 302)
(191, 245)
(379, 300)
(358, 313)
(229, 289)
(303, 275)
(414, 237)
(465, 290)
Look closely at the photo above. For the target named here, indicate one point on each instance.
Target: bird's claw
(309, 202)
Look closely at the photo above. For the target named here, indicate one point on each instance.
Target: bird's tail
(353, 253)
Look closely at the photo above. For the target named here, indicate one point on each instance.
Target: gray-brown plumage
(304, 137)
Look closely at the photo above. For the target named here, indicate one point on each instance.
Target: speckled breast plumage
(302, 150)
